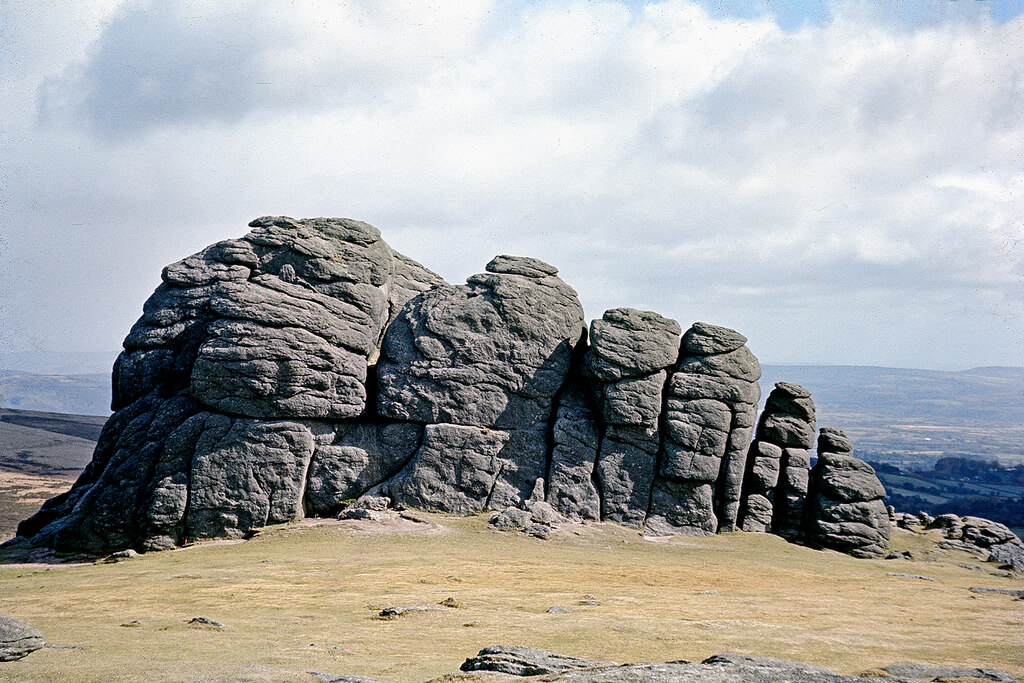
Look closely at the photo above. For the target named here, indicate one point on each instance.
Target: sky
(842, 182)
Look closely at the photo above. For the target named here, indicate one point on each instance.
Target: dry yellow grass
(22, 494)
(295, 600)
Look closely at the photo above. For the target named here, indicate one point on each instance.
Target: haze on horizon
(840, 182)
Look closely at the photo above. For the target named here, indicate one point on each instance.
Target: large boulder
(481, 365)
(711, 402)
(846, 511)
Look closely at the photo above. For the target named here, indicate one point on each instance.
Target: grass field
(304, 598)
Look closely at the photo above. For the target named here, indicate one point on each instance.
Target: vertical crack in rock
(775, 485)
(627, 360)
(491, 354)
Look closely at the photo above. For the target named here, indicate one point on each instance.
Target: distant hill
(47, 444)
(78, 394)
(915, 417)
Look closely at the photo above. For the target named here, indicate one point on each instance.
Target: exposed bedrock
(710, 407)
(481, 365)
(845, 507)
(306, 365)
(226, 381)
(490, 353)
(626, 364)
(775, 483)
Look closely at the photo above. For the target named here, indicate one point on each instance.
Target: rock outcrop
(991, 540)
(511, 662)
(308, 365)
(846, 511)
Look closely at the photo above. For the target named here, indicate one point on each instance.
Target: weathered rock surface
(931, 672)
(775, 484)
(18, 639)
(575, 441)
(308, 365)
(491, 353)
(520, 662)
(981, 536)
(525, 661)
(237, 351)
(711, 402)
(846, 510)
(629, 353)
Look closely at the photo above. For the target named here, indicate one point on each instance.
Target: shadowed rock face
(307, 364)
(775, 484)
(846, 511)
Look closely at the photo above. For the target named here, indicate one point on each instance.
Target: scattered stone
(541, 531)
(511, 519)
(1017, 593)
(590, 603)
(931, 672)
(525, 661)
(451, 602)
(901, 555)
(18, 639)
(134, 623)
(331, 678)
(389, 613)
(555, 609)
(912, 576)
(205, 621)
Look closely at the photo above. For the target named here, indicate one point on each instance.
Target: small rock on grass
(930, 672)
(394, 612)
(205, 621)
(555, 609)
(120, 556)
(1002, 591)
(912, 576)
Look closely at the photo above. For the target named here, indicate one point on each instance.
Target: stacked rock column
(711, 404)
(775, 484)
(846, 511)
(630, 351)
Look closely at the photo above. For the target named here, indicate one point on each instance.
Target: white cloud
(787, 183)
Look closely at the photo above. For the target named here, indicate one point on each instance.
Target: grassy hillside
(915, 417)
(304, 598)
